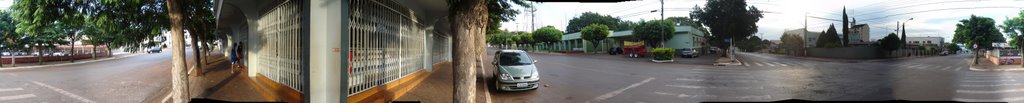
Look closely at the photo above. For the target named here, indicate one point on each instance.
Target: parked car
(154, 50)
(944, 53)
(515, 71)
(688, 52)
(614, 51)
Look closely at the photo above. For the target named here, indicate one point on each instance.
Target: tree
(524, 39)
(979, 31)
(1015, 28)
(547, 35)
(846, 29)
(595, 33)
(625, 25)
(9, 38)
(728, 19)
(830, 39)
(587, 18)
(654, 32)
(889, 43)
(754, 43)
(689, 22)
(469, 19)
(953, 48)
(792, 42)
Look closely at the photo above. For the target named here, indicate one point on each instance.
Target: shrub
(663, 53)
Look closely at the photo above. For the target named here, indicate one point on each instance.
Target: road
(766, 77)
(125, 80)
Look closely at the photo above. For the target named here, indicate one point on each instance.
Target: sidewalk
(437, 88)
(985, 65)
(60, 63)
(218, 83)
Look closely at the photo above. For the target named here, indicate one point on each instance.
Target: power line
(634, 7)
(901, 7)
(994, 7)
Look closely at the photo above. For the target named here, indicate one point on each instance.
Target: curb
(993, 70)
(39, 66)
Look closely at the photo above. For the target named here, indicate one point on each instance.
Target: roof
(577, 35)
(859, 25)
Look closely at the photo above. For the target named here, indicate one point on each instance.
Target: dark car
(154, 50)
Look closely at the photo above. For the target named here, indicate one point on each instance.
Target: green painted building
(685, 37)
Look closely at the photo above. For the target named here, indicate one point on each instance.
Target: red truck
(634, 49)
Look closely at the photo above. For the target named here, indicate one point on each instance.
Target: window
(514, 58)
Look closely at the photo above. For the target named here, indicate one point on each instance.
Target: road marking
(782, 64)
(769, 64)
(702, 87)
(990, 92)
(9, 89)
(17, 97)
(759, 64)
(61, 91)
(688, 79)
(992, 85)
(1002, 80)
(914, 66)
(617, 92)
(948, 68)
(1014, 99)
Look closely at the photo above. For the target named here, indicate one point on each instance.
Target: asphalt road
(124, 80)
(766, 77)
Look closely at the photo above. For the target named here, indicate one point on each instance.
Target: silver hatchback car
(515, 71)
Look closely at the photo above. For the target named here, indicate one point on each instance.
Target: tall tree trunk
(40, 56)
(110, 52)
(179, 74)
(72, 54)
(197, 54)
(468, 20)
(94, 51)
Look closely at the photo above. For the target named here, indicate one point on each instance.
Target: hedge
(663, 53)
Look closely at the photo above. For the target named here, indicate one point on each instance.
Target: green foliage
(663, 53)
(654, 32)
(952, 47)
(626, 25)
(595, 33)
(524, 38)
(753, 43)
(500, 11)
(1013, 27)
(890, 42)
(587, 18)
(830, 39)
(690, 22)
(792, 42)
(977, 30)
(728, 19)
(547, 34)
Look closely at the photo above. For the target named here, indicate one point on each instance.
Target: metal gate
(386, 44)
(278, 51)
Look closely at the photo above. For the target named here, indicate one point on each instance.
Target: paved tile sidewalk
(985, 65)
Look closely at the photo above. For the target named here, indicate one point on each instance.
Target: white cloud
(929, 17)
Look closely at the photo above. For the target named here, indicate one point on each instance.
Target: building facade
(938, 41)
(683, 37)
(810, 38)
(860, 34)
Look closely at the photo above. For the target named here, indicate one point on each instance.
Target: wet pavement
(765, 77)
(125, 80)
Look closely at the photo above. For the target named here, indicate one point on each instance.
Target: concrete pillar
(328, 63)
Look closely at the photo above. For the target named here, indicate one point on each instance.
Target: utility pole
(805, 34)
(663, 39)
(533, 17)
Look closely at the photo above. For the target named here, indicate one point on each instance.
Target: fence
(278, 52)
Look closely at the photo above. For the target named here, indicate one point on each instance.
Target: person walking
(234, 58)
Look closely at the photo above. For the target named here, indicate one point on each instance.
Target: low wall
(35, 59)
(860, 52)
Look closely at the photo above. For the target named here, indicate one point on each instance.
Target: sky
(930, 17)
